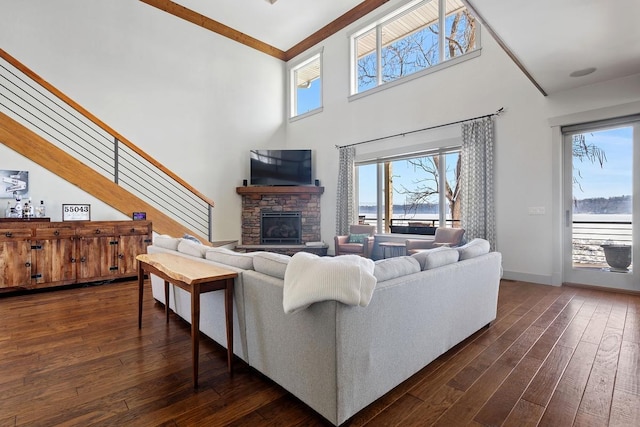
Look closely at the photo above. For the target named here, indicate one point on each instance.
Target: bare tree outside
(426, 184)
(418, 50)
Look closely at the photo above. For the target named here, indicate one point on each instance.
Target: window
(403, 190)
(306, 86)
(409, 41)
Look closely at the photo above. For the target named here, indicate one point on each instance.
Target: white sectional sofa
(339, 358)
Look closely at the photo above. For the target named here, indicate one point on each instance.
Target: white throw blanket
(310, 278)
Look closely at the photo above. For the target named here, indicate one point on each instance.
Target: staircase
(41, 123)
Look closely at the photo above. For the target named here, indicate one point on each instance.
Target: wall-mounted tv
(281, 167)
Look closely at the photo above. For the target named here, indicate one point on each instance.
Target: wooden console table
(196, 278)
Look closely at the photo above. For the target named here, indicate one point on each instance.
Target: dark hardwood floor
(554, 357)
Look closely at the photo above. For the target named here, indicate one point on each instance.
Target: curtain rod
(497, 113)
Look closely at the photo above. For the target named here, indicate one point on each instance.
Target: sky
(614, 178)
(309, 98)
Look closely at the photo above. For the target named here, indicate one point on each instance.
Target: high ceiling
(282, 24)
(549, 38)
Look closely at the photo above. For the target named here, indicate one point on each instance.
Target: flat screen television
(280, 167)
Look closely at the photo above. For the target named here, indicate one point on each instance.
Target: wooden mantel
(279, 189)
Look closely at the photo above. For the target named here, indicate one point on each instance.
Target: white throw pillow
(166, 242)
(229, 257)
(390, 268)
(474, 248)
(271, 263)
(192, 248)
(437, 257)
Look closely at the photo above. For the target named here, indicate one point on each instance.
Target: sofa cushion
(351, 248)
(474, 248)
(192, 248)
(357, 238)
(437, 257)
(167, 242)
(390, 268)
(229, 257)
(271, 263)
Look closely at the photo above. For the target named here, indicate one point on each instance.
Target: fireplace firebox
(280, 228)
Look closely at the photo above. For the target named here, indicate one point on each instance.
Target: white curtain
(345, 206)
(478, 210)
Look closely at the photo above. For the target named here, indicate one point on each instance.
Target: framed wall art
(14, 183)
(76, 212)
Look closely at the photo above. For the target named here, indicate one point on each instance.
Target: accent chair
(358, 242)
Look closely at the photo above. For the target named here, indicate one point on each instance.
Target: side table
(196, 278)
(392, 249)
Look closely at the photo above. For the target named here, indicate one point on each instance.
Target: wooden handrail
(42, 82)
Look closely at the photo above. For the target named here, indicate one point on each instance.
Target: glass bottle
(41, 210)
(31, 212)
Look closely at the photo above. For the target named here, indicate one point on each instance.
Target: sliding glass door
(601, 173)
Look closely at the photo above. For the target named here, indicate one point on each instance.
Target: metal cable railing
(34, 105)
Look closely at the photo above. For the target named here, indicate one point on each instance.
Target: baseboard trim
(601, 288)
(531, 278)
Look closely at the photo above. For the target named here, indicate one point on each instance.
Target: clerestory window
(417, 37)
(305, 86)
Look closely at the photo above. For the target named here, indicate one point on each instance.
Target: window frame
(293, 68)
(387, 18)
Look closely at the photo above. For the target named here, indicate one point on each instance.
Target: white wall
(195, 101)
(53, 190)
(524, 146)
(198, 102)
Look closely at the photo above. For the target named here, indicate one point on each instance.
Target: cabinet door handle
(98, 231)
(73, 260)
(8, 234)
(56, 233)
(133, 230)
(83, 259)
(27, 264)
(121, 256)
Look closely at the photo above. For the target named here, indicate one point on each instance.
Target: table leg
(228, 310)
(195, 331)
(140, 293)
(166, 299)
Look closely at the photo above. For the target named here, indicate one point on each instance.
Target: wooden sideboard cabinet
(37, 255)
(15, 256)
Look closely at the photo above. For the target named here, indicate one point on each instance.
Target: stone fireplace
(281, 206)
